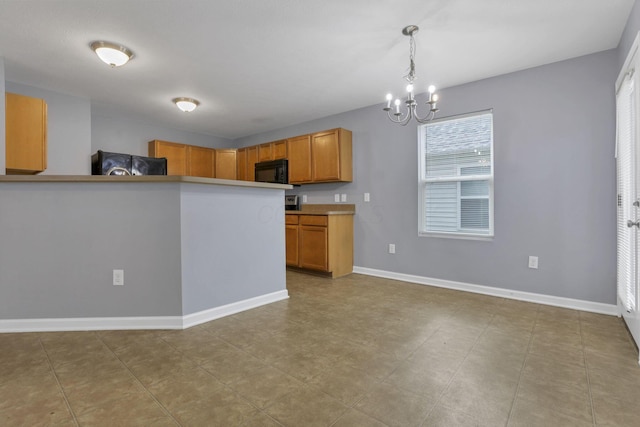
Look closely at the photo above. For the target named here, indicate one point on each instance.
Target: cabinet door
(265, 152)
(252, 159)
(299, 159)
(226, 164)
(176, 155)
(241, 164)
(201, 161)
(313, 247)
(325, 147)
(291, 239)
(26, 134)
(279, 149)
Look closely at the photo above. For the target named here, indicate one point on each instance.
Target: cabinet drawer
(314, 220)
(291, 219)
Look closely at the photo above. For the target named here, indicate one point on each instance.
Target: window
(456, 176)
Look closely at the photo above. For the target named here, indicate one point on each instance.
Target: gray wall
(184, 248)
(232, 245)
(61, 241)
(554, 183)
(68, 130)
(116, 132)
(2, 119)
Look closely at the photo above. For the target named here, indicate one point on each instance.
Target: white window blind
(456, 175)
(625, 164)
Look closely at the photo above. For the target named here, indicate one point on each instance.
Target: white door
(628, 174)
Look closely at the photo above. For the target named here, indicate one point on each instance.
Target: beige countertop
(324, 209)
(138, 179)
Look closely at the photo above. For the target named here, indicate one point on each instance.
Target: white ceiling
(258, 65)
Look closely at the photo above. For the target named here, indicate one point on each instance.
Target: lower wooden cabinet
(291, 238)
(321, 243)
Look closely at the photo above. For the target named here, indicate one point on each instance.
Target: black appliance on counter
(274, 171)
(291, 203)
(105, 163)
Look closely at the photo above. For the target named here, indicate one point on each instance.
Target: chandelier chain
(411, 75)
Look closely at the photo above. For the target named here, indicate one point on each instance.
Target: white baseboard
(127, 323)
(594, 307)
(194, 319)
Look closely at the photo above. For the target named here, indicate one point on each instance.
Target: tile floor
(356, 351)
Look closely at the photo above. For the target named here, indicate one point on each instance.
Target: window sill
(463, 236)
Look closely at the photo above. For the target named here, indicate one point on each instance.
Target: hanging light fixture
(112, 54)
(405, 117)
(186, 104)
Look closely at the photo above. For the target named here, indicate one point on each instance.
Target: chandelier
(405, 117)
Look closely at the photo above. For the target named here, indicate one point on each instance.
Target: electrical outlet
(367, 197)
(118, 277)
(392, 248)
(343, 198)
(336, 198)
(533, 261)
(304, 198)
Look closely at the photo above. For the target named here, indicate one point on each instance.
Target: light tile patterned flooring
(356, 351)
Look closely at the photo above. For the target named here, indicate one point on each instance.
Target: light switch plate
(118, 277)
(336, 198)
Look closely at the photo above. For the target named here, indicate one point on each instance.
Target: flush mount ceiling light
(186, 104)
(112, 54)
(410, 102)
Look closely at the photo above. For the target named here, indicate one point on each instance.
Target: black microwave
(274, 171)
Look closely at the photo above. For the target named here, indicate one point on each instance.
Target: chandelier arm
(404, 118)
(426, 118)
(401, 118)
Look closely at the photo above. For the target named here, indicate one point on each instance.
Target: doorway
(628, 186)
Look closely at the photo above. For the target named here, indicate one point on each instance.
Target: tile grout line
(55, 375)
(165, 410)
(444, 390)
(524, 362)
(586, 368)
(225, 385)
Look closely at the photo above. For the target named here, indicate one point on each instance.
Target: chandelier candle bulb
(397, 107)
(431, 90)
(389, 97)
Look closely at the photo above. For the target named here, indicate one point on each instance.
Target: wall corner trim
(128, 323)
(593, 307)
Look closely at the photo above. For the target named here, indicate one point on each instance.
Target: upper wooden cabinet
(252, 159)
(226, 167)
(265, 152)
(272, 150)
(299, 159)
(176, 155)
(331, 156)
(320, 157)
(279, 149)
(241, 164)
(26, 134)
(201, 161)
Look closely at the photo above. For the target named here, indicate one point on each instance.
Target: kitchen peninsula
(191, 250)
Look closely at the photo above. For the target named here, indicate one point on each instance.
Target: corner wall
(554, 184)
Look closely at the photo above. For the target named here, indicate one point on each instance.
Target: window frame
(423, 181)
